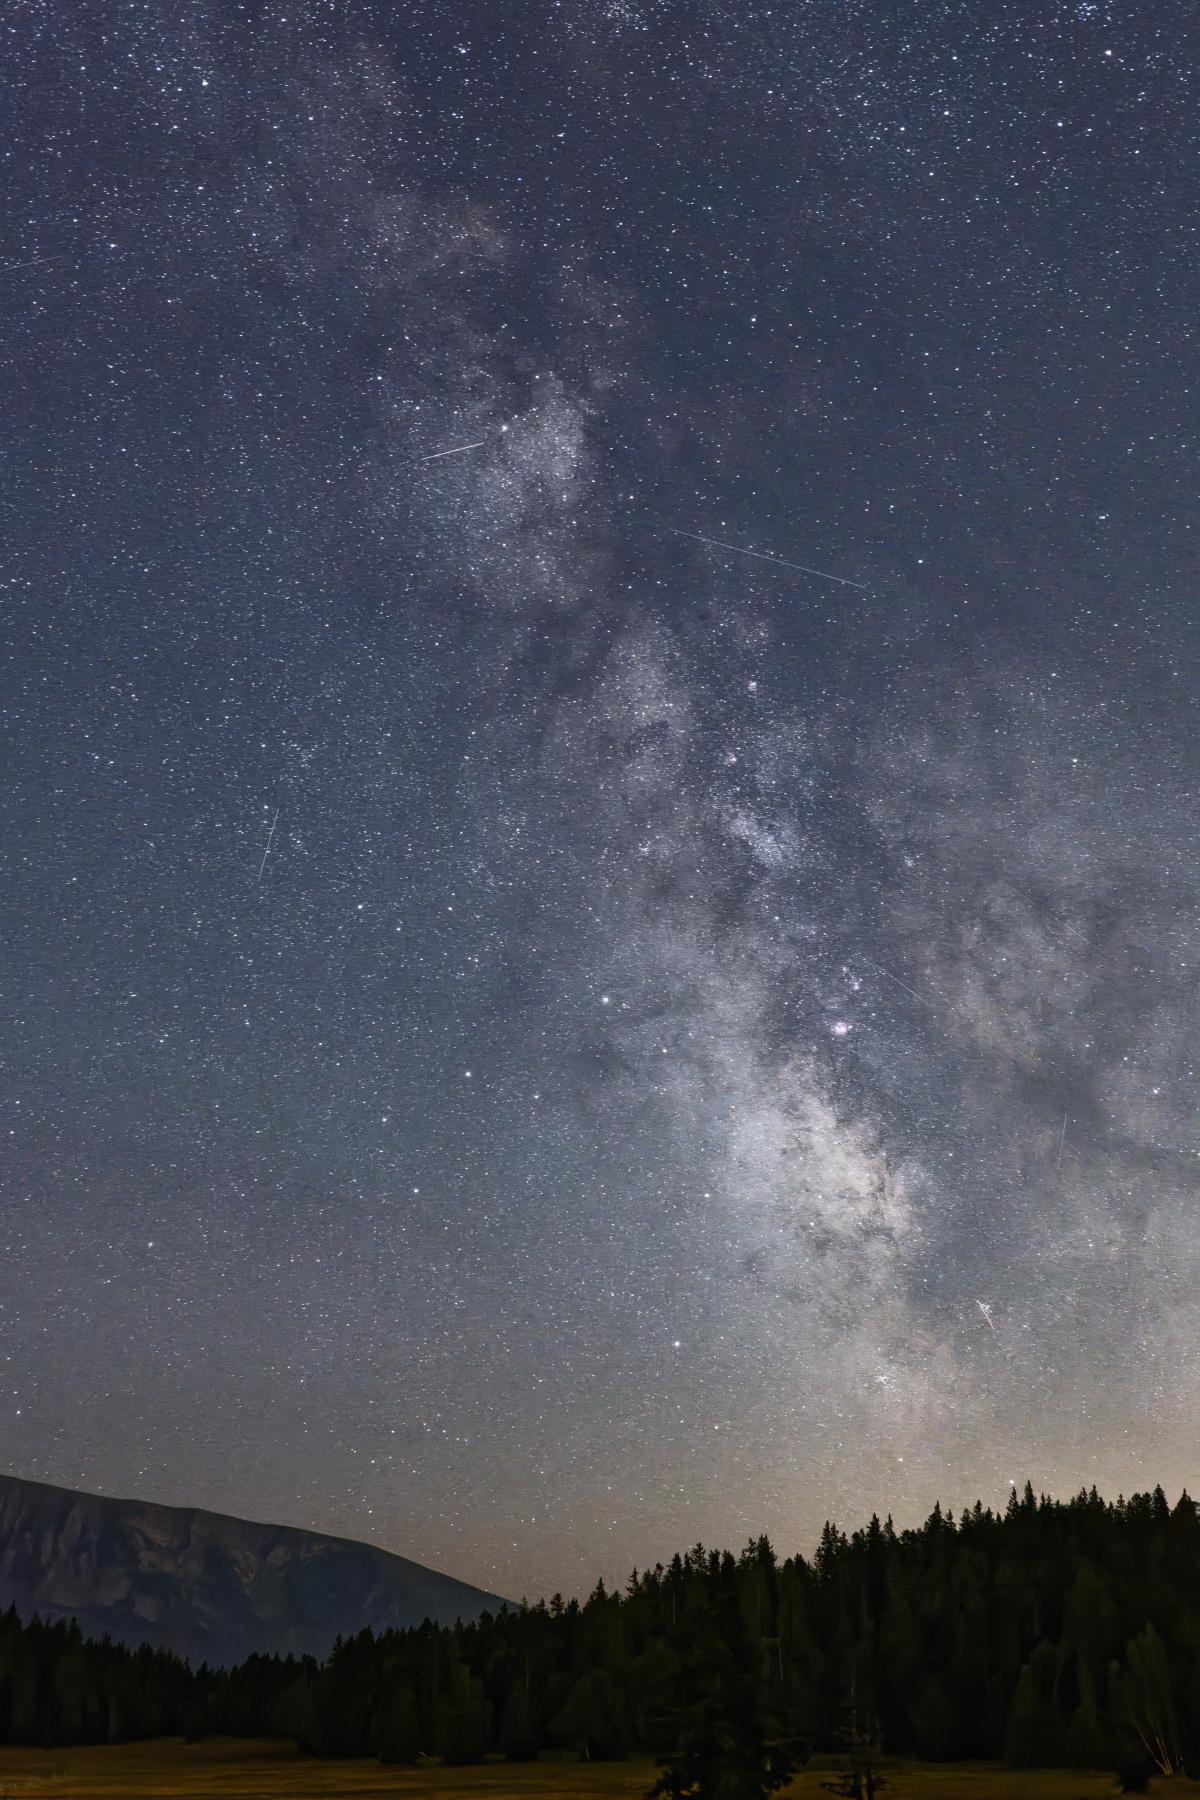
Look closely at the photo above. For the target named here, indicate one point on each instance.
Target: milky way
(536, 1036)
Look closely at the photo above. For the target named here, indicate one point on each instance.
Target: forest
(1056, 1633)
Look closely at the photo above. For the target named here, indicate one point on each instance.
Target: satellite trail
(878, 967)
(456, 451)
(762, 556)
(270, 835)
(31, 262)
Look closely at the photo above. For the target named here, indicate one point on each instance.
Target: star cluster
(538, 1028)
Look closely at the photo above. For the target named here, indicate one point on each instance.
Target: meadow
(169, 1769)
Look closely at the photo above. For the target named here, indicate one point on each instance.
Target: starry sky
(601, 935)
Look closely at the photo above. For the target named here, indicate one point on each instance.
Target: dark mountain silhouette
(209, 1587)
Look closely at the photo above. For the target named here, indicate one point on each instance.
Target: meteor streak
(456, 451)
(762, 556)
(900, 984)
(270, 835)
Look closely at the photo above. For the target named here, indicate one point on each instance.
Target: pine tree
(518, 1739)
(1032, 1737)
(592, 1718)
(858, 1739)
(724, 1751)
(399, 1731)
(464, 1719)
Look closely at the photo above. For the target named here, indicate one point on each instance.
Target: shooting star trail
(1062, 924)
(987, 1313)
(456, 451)
(1061, 1141)
(262, 865)
(762, 556)
(30, 263)
(880, 970)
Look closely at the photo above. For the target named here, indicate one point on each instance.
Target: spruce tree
(723, 1748)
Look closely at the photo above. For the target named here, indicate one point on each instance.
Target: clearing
(236, 1769)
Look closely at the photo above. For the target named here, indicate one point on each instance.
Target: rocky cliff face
(211, 1588)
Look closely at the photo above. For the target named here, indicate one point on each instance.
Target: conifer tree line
(1056, 1633)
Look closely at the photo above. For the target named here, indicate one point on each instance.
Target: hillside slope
(210, 1587)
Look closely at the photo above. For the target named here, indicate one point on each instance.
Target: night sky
(532, 1038)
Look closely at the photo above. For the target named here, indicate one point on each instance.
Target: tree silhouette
(725, 1748)
(1054, 1633)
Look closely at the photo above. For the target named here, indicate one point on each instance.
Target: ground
(235, 1770)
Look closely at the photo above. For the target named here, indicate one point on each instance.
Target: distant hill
(211, 1588)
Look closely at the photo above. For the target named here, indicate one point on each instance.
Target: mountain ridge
(210, 1586)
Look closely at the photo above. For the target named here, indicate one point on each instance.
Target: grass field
(236, 1770)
